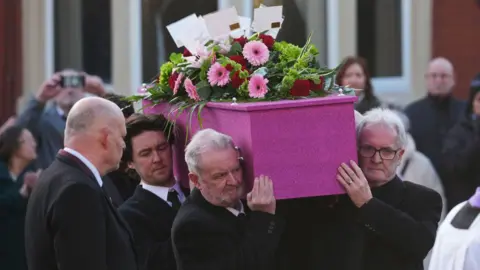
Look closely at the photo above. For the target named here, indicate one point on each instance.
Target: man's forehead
(440, 65)
(154, 137)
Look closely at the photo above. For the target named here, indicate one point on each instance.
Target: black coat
(150, 219)
(430, 120)
(461, 156)
(12, 220)
(71, 223)
(210, 237)
(394, 231)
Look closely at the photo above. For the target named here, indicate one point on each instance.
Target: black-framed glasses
(370, 151)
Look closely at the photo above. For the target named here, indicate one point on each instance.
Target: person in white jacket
(457, 245)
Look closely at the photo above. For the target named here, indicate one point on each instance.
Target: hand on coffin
(261, 197)
(355, 183)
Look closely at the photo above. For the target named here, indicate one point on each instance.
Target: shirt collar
(87, 163)
(238, 211)
(60, 111)
(162, 192)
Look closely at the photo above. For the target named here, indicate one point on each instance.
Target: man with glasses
(434, 115)
(394, 221)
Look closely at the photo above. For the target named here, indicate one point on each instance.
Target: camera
(72, 81)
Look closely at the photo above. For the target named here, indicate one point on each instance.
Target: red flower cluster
(266, 39)
(301, 88)
(236, 81)
(172, 79)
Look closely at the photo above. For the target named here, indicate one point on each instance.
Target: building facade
(125, 41)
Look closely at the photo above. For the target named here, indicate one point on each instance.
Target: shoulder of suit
(421, 192)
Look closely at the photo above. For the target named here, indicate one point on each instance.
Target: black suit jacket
(71, 224)
(395, 230)
(210, 237)
(150, 219)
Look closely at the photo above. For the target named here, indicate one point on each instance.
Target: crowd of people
(88, 183)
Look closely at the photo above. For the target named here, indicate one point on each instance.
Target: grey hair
(203, 140)
(386, 117)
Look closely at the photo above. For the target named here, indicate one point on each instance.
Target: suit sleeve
(151, 254)
(472, 260)
(30, 117)
(195, 251)
(78, 228)
(401, 229)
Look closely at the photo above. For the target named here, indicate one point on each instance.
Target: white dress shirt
(162, 192)
(87, 163)
(238, 211)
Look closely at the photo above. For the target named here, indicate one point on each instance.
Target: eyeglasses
(439, 75)
(368, 151)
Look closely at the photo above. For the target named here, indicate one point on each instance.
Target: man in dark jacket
(393, 223)
(153, 206)
(434, 115)
(211, 230)
(70, 222)
(461, 151)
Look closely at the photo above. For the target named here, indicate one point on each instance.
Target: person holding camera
(45, 115)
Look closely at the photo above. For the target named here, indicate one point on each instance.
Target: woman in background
(17, 151)
(354, 73)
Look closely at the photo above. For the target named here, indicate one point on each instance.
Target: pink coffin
(299, 143)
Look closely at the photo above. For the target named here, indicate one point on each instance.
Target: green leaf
(217, 92)
(199, 114)
(202, 84)
(235, 49)
(176, 58)
(204, 92)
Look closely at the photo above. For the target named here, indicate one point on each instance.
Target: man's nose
(232, 180)
(377, 158)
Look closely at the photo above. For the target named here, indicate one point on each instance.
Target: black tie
(173, 198)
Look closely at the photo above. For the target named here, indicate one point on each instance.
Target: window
(157, 43)
(82, 36)
(383, 36)
(303, 17)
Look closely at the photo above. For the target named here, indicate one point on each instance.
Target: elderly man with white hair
(71, 223)
(211, 230)
(394, 221)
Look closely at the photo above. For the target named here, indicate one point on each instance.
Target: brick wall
(456, 36)
(10, 57)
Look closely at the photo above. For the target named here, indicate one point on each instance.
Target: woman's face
(354, 77)
(476, 104)
(28, 147)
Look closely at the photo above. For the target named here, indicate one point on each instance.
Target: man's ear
(400, 155)
(130, 165)
(195, 180)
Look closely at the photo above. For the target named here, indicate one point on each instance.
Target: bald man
(71, 223)
(434, 115)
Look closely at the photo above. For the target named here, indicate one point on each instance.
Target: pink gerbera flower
(177, 83)
(257, 86)
(191, 90)
(256, 52)
(218, 75)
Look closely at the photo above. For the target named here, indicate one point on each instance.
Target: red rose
(318, 86)
(301, 88)
(173, 78)
(239, 59)
(236, 81)
(186, 53)
(241, 40)
(267, 40)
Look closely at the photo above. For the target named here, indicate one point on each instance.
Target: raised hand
(261, 198)
(49, 89)
(355, 183)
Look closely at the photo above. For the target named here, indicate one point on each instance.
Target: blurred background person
(354, 73)
(461, 151)
(10, 122)
(17, 151)
(46, 120)
(434, 115)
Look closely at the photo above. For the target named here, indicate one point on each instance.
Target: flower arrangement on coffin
(250, 68)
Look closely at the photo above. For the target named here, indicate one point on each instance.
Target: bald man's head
(90, 114)
(95, 129)
(440, 77)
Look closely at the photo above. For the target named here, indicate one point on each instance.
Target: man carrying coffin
(211, 230)
(393, 223)
(153, 206)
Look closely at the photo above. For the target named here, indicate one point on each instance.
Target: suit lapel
(159, 205)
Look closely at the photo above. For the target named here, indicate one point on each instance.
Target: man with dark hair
(152, 208)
